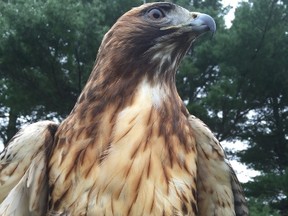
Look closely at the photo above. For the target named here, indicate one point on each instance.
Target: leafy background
(237, 82)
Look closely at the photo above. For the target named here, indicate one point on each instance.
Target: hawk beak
(202, 23)
(198, 23)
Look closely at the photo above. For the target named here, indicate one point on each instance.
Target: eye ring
(155, 14)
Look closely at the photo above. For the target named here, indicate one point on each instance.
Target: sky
(230, 16)
(244, 174)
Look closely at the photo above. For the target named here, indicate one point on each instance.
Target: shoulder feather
(23, 176)
(219, 191)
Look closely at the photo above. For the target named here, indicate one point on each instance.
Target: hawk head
(150, 40)
(145, 45)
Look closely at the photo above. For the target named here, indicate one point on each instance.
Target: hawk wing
(23, 172)
(219, 191)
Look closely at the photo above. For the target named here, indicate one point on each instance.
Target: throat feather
(148, 138)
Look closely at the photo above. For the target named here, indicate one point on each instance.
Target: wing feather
(23, 176)
(240, 204)
(219, 191)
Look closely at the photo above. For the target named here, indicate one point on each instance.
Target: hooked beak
(198, 23)
(202, 23)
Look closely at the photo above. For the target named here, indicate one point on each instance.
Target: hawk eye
(155, 14)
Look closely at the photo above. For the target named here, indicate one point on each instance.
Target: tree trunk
(11, 128)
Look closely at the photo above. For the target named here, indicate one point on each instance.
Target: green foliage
(47, 51)
(238, 85)
(270, 188)
(258, 208)
(43, 47)
(266, 75)
(236, 82)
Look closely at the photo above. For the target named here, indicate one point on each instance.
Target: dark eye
(155, 14)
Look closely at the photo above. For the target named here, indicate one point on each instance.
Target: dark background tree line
(237, 82)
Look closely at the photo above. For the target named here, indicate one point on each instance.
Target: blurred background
(236, 82)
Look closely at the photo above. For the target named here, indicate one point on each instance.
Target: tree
(238, 86)
(47, 51)
(237, 82)
(240, 89)
(266, 75)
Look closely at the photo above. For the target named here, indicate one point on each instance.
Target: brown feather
(23, 171)
(128, 146)
(219, 191)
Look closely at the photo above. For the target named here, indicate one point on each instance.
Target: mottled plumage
(23, 174)
(129, 146)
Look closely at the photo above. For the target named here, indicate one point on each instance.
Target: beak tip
(205, 20)
(209, 21)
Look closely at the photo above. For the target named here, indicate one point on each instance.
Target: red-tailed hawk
(129, 146)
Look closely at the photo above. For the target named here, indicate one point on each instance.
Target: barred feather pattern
(219, 191)
(23, 171)
(141, 164)
(129, 146)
